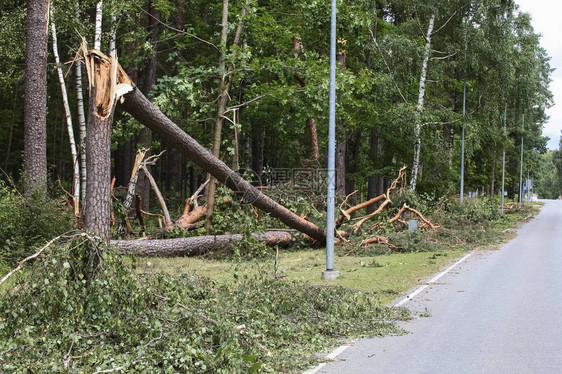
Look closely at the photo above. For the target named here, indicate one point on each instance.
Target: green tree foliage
(276, 88)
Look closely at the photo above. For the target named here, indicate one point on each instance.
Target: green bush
(481, 211)
(27, 223)
(57, 318)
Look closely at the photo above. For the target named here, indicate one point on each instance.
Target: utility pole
(503, 161)
(330, 273)
(464, 108)
(521, 173)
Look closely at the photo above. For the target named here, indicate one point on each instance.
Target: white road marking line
(432, 280)
(336, 352)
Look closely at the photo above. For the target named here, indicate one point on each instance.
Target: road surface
(497, 312)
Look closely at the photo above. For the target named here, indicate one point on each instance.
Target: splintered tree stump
(196, 245)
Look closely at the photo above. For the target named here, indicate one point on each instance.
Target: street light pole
(503, 162)
(464, 108)
(521, 173)
(330, 273)
(462, 147)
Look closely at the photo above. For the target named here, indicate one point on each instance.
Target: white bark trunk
(223, 96)
(81, 124)
(99, 14)
(419, 109)
(113, 37)
(73, 149)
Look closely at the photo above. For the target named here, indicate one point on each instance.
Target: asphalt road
(497, 312)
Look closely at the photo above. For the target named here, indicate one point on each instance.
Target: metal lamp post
(503, 161)
(521, 173)
(330, 273)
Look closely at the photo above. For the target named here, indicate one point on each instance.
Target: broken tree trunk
(146, 113)
(107, 82)
(167, 220)
(188, 219)
(128, 203)
(196, 245)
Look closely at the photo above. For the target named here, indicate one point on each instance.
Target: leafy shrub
(27, 223)
(481, 211)
(58, 317)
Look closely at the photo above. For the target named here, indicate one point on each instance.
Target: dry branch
(358, 224)
(373, 240)
(405, 208)
(167, 220)
(386, 197)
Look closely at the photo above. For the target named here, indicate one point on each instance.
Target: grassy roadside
(372, 269)
(229, 315)
(387, 275)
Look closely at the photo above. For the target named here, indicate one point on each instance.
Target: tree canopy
(278, 79)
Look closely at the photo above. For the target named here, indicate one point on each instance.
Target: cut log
(196, 245)
(146, 113)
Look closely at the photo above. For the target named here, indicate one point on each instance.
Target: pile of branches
(76, 305)
(384, 202)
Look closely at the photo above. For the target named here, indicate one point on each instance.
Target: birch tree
(68, 118)
(224, 88)
(419, 108)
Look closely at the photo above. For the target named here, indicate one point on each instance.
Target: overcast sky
(546, 21)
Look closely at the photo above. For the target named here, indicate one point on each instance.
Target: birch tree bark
(68, 118)
(81, 124)
(224, 88)
(35, 112)
(98, 26)
(419, 108)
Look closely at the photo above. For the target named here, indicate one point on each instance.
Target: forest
(207, 122)
(255, 91)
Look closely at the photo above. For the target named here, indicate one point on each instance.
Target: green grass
(389, 275)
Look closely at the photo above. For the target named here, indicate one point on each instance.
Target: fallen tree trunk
(146, 113)
(196, 245)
